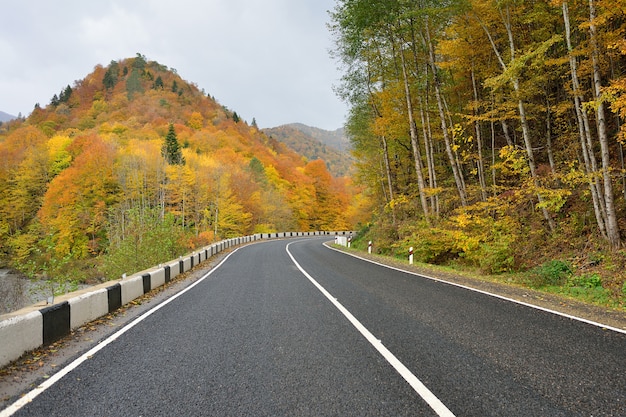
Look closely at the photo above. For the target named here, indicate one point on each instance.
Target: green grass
(553, 277)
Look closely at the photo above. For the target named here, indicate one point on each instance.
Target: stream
(17, 291)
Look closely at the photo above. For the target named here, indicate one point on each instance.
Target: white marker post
(411, 255)
(349, 240)
(369, 247)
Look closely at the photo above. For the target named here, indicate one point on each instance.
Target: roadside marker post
(369, 247)
(411, 255)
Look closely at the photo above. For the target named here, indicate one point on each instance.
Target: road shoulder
(597, 314)
(38, 365)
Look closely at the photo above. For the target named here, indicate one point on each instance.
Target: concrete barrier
(174, 269)
(186, 264)
(157, 278)
(56, 322)
(88, 306)
(34, 326)
(114, 296)
(20, 333)
(132, 287)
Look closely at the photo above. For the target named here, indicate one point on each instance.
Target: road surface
(293, 328)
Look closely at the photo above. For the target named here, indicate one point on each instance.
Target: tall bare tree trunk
(612, 228)
(549, 136)
(583, 130)
(428, 145)
(480, 165)
(388, 172)
(521, 110)
(430, 159)
(507, 134)
(493, 156)
(417, 155)
(456, 171)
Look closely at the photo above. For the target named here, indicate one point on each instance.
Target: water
(17, 291)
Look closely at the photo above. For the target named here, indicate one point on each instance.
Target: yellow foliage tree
(196, 121)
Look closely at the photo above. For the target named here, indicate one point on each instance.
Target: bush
(433, 245)
(554, 272)
(585, 281)
(147, 240)
(497, 257)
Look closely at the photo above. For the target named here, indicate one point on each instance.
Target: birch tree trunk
(521, 109)
(480, 166)
(388, 172)
(612, 228)
(583, 129)
(417, 156)
(428, 146)
(549, 136)
(456, 171)
(507, 134)
(430, 159)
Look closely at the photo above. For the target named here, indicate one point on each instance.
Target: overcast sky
(264, 59)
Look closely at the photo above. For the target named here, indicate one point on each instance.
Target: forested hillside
(133, 165)
(335, 138)
(313, 144)
(491, 133)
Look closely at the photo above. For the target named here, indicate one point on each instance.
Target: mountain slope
(88, 178)
(5, 117)
(314, 144)
(335, 138)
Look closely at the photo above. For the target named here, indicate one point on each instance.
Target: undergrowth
(593, 275)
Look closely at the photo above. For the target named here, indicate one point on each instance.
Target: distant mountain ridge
(314, 143)
(335, 138)
(6, 117)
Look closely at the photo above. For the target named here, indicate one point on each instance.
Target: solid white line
(413, 381)
(547, 310)
(30, 396)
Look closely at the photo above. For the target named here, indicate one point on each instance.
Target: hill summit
(133, 153)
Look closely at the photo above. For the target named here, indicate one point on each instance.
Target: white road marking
(30, 396)
(536, 307)
(413, 381)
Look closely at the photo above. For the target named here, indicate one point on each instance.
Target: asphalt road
(258, 337)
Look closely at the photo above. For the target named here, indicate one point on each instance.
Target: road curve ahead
(293, 328)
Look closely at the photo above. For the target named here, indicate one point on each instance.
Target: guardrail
(36, 326)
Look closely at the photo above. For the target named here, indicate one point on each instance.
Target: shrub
(433, 245)
(147, 240)
(497, 257)
(585, 281)
(553, 272)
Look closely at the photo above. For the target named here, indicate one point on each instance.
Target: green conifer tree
(158, 83)
(171, 149)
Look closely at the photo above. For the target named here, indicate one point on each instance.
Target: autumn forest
(133, 166)
(490, 133)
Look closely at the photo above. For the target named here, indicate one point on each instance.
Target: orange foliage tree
(74, 209)
(84, 174)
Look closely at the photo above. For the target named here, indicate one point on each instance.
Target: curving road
(293, 328)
